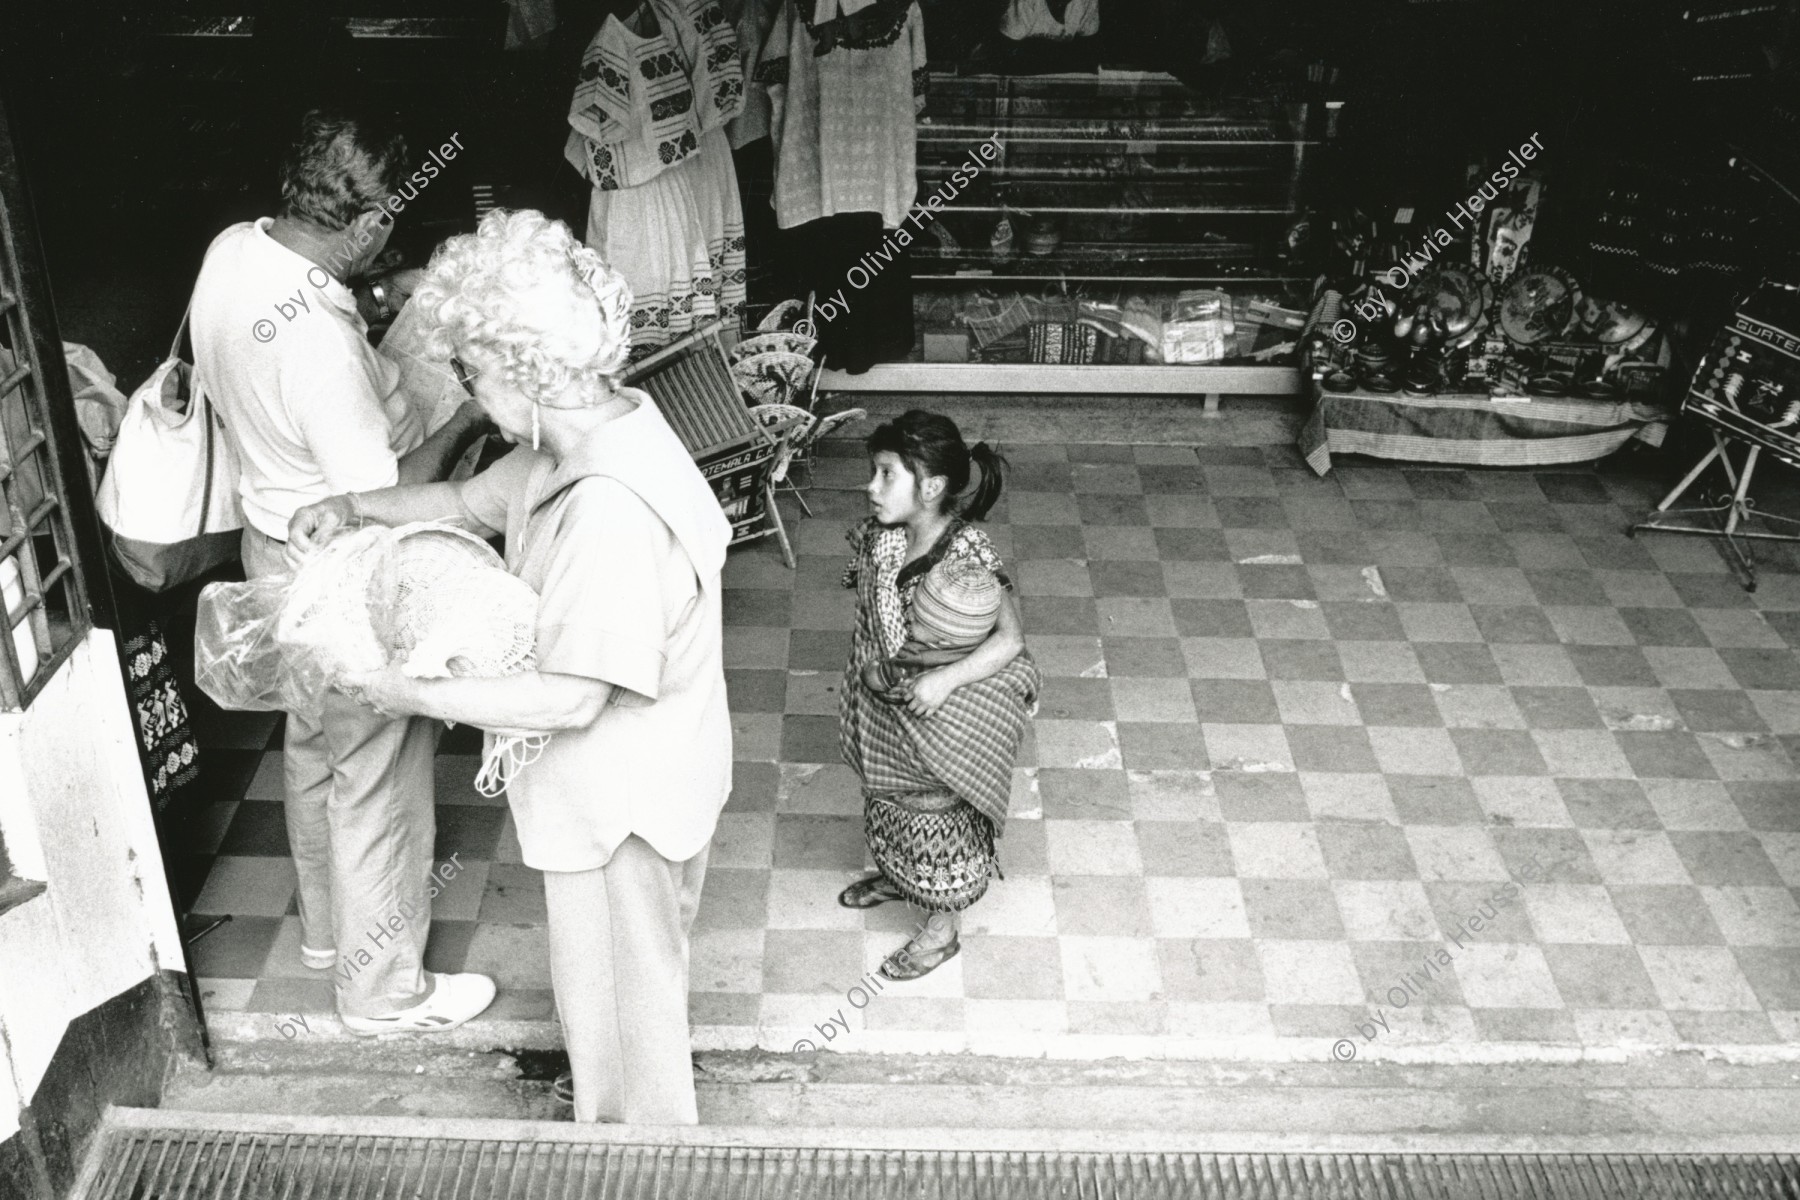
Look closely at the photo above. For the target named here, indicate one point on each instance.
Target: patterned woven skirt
(936, 849)
(166, 745)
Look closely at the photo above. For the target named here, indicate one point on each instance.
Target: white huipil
(844, 122)
(646, 130)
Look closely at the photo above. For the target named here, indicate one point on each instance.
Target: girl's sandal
(903, 964)
(869, 893)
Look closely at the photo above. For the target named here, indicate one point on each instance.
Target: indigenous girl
(936, 767)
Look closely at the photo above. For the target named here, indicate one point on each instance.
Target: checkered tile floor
(1295, 733)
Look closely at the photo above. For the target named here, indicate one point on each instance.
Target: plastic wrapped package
(432, 598)
(237, 660)
(327, 614)
(1266, 331)
(1132, 319)
(1199, 329)
(427, 382)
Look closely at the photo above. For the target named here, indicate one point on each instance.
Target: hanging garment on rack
(853, 24)
(709, 46)
(843, 119)
(753, 27)
(633, 112)
(647, 132)
(679, 242)
(1032, 19)
(713, 179)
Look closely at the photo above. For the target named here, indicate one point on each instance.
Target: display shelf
(200, 26)
(416, 28)
(1207, 381)
(1118, 189)
(1174, 210)
(962, 134)
(1065, 277)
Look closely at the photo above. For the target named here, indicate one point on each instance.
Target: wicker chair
(799, 431)
(690, 381)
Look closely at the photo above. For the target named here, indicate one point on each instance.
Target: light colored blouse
(623, 542)
(843, 121)
(632, 116)
(643, 100)
(754, 22)
(709, 44)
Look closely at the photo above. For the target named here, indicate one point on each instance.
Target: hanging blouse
(709, 46)
(855, 24)
(1031, 19)
(752, 31)
(844, 119)
(633, 114)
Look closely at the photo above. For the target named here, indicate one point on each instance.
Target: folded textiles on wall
(1047, 329)
(992, 318)
(1066, 343)
(1063, 343)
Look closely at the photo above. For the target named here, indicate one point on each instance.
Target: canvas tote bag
(169, 498)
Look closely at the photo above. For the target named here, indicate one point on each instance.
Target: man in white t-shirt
(316, 412)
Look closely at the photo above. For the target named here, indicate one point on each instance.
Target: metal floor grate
(204, 1164)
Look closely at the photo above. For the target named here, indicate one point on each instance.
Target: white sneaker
(318, 960)
(456, 999)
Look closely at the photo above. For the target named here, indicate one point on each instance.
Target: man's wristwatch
(380, 294)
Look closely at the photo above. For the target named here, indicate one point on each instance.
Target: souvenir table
(1474, 430)
(1456, 369)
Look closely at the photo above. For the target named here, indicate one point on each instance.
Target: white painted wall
(75, 814)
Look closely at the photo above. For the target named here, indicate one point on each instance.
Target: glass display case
(1111, 232)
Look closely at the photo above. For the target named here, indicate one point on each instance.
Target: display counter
(1474, 430)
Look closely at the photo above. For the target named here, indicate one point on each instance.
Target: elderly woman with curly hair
(607, 518)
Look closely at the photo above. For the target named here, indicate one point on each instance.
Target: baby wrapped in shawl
(954, 610)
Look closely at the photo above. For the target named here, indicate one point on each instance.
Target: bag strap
(206, 487)
(180, 330)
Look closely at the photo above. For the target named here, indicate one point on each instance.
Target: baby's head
(956, 605)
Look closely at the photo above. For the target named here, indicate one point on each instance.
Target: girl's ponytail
(993, 479)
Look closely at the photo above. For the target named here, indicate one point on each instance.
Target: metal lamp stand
(1724, 519)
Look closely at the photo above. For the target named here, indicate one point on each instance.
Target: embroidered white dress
(646, 130)
(844, 120)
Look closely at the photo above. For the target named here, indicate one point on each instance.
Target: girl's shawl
(967, 747)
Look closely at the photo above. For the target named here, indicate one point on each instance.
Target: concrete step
(1669, 1097)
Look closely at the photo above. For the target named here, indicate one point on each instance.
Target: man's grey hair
(340, 167)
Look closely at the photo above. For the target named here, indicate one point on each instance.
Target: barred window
(45, 606)
(44, 610)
